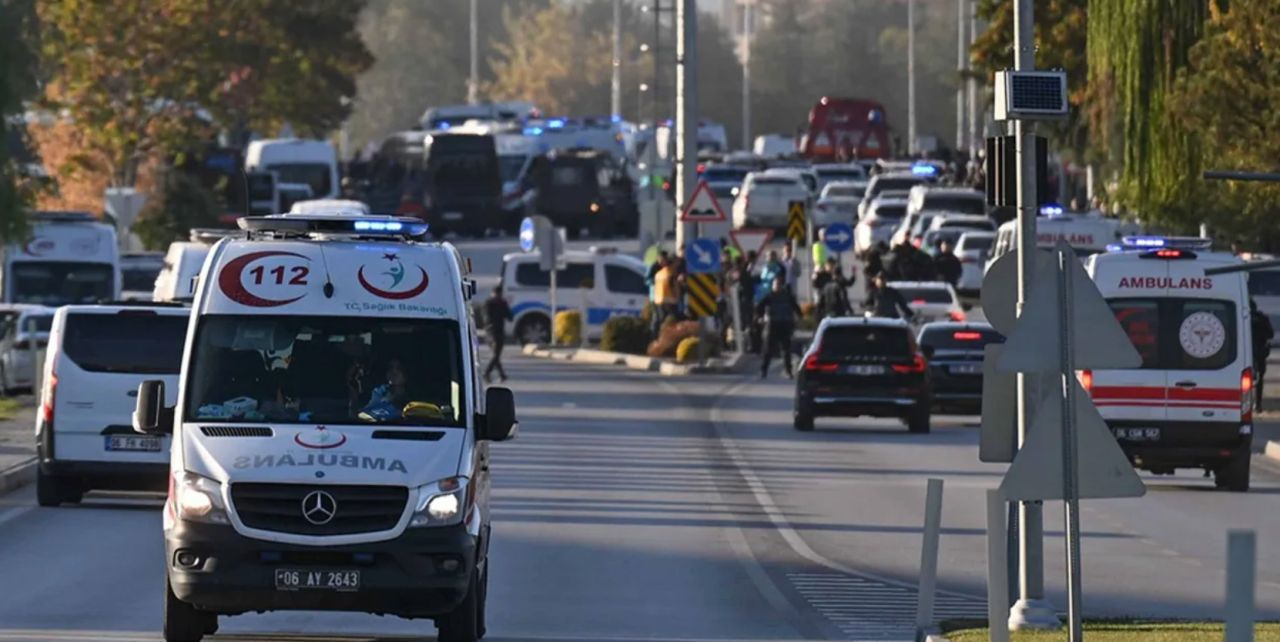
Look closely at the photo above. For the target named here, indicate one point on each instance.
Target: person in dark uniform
(496, 315)
(780, 310)
(947, 265)
(1262, 333)
(886, 302)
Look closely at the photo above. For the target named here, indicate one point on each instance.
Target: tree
(180, 204)
(1229, 93)
(551, 59)
(17, 82)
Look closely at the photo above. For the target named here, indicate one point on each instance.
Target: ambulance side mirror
(151, 417)
(499, 421)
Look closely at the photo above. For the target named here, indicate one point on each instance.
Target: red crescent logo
(397, 296)
(320, 432)
(229, 280)
(38, 246)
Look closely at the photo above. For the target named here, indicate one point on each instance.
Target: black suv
(863, 367)
(955, 367)
(584, 188)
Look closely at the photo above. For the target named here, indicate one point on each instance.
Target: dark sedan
(955, 367)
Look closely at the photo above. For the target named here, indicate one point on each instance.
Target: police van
(600, 281)
(330, 438)
(1190, 404)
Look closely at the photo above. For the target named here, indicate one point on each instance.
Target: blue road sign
(528, 235)
(702, 256)
(839, 237)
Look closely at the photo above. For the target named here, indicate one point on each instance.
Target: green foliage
(181, 204)
(568, 328)
(1229, 94)
(625, 334)
(16, 84)
(687, 350)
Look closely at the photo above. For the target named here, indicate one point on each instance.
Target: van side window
(624, 281)
(576, 275)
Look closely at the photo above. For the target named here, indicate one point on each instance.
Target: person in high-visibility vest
(820, 248)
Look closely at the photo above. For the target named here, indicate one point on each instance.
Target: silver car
(19, 347)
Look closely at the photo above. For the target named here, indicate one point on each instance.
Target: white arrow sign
(839, 236)
(1104, 471)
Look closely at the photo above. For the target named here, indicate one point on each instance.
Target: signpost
(796, 227)
(702, 206)
(1048, 463)
(751, 240)
(703, 292)
(702, 256)
(124, 204)
(839, 237)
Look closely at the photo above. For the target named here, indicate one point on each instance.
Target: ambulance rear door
(1207, 350)
(1134, 290)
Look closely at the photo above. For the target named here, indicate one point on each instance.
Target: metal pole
(746, 73)
(971, 85)
(473, 82)
(911, 77)
(929, 556)
(961, 50)
(616, 87)
(1070, 454)
(1241, 563)
(686, 108)
(997, 569)
(1032, 610)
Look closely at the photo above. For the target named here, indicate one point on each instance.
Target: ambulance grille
(236, 431)
(357, 509)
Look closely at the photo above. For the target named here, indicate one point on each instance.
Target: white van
(97, 357)
(69, 257)
(182, 264)
(602, 282)
(313, 163)
(331, 435)
(1190, 405)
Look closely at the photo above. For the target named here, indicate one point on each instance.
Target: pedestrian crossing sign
(703, 294)
(702, 206)
(796, 227)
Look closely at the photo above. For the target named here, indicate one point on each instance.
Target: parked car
(764, 199)
(955, 365)
(17, 350)
(863, 367)
(930, 300)
(838, 202)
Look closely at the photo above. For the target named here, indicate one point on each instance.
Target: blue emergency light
(397, 226)
(378, 226)
(555, 123)
(1159, 242)
(1051, 210)
(532, 131)
(924, 169)
(444, 124)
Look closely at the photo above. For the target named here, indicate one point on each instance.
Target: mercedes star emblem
(319, 507)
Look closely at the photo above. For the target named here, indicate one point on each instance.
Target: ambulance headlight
(443, 503)
(197, 499)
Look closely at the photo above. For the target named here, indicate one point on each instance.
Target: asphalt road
(634, 507)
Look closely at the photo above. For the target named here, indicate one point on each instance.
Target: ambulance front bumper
(1180, 444)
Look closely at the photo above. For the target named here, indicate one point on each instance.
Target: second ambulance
(1190, 404)
(331, 437)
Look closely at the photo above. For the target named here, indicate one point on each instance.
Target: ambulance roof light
(1156, 242)
(924, 169)
(384, 226)
(1051, 209)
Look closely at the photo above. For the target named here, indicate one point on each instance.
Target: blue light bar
(615, 118)
(1157, 242)
(1114, 247)
(1051, 210)
(444, 124)
(335, 224)
(924, 169)
(555, 123)
(532, 131)
(1144, 241)
(377, 226)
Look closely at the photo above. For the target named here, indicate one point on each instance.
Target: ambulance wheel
(463, 624)
(183, 622)
(534, 328)
(1234, 475)
(52, 491)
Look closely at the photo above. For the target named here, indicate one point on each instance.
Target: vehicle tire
(482, 626)
(48, 489)
(463, 624)
(1234, 475)
(183, 622)
(534, 328)
(803, 418)
(918, 420)
(5, 389)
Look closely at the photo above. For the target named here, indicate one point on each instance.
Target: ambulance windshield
(334, 370)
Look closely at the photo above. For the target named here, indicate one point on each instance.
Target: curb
(728, 365)
(17, 476)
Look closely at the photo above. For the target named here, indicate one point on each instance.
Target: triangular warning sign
(751, 240)
(702, 206)
(1099, 341)
(1102, 468)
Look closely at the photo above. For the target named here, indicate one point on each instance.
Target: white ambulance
(69, 257)
(331, 435)
(1085, 234)
(1190, 405)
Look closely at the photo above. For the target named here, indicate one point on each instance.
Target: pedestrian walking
(1263, 333)
(496, 315)
(946, 264)
(664, 293)
(791, 268)
(884, 301)
(779, 310)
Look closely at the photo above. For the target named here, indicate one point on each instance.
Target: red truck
(843, 129)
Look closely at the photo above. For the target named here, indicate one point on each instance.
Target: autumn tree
(17, 82)
(550, 59)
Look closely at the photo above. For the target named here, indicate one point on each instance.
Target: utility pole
(686, 109)
(961, 68)
(971, 85)
(616, 87)
(473, 83)
(911, 77)
(1032, 610)
(747, 6)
